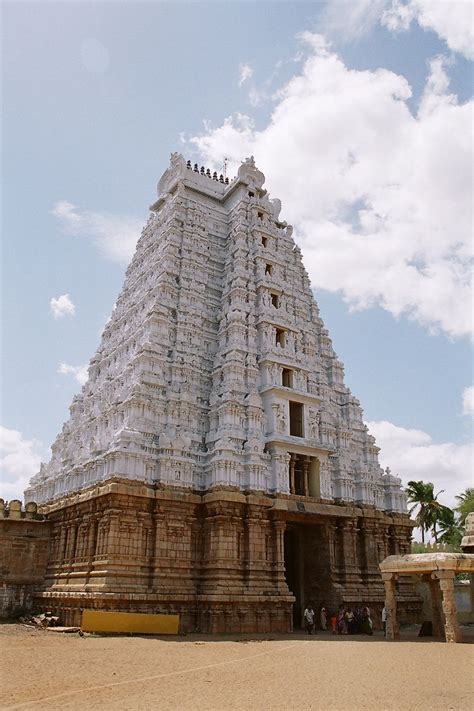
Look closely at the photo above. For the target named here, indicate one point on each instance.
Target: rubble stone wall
(24, 549)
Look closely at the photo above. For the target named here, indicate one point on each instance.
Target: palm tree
(419, 494)
(449, 528)
(430, 510)
(466, 505)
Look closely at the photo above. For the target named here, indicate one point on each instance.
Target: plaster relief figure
(315, 424)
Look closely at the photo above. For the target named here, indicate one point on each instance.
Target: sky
(358, 113)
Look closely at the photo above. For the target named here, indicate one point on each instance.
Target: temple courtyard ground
(46, 670)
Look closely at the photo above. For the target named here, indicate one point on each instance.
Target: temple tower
(215, 427)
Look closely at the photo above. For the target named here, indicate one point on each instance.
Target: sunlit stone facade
(215, 449)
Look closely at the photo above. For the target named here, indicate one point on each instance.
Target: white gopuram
(215, 369)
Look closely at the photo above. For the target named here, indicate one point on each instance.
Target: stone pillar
(62, 542)
(306, 463)
(292, 474)
(280, 541)
(113, 533)
(72, 541)
(446, 583)
(370, 547)
(255, 554)
(386, 542)
(91, 545)
(471, 586)
(405, 540)
(349, 559)
(392, 629)
(331, 533)
(380, 543)
(394, 541)
(279, 563)
(436, 611)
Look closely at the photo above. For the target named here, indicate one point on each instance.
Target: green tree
(449, 528)
(430, 510)
(466, 505)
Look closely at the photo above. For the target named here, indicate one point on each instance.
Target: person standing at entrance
(309, 619)
(324, 619)
(384, 620)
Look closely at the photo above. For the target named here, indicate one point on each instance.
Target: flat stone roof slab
(428, 562)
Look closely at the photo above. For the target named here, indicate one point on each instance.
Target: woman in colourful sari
(341, 620)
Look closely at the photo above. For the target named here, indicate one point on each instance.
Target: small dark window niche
(264, 240)
(287, 378)
(280, 337)
(275, 300)
(268, 269)
(296, 419)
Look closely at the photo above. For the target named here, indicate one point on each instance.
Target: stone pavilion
(215, 464)
(438, 570)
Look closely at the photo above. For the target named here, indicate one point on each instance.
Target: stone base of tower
(201, 616)
(224, 561)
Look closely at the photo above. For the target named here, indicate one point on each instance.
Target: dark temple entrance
(294, 572)
(308, 568)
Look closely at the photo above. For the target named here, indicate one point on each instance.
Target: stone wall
(216, 559)
(462, 596)
(24, 548)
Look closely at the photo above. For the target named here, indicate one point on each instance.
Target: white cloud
(351, 19)
(412, 454)
(452, 20)
(114, 235)
(62, 306)
(380, 198)
(468, 401)
(79, 372)
(20, 459)
(245, 73)
(256, 96)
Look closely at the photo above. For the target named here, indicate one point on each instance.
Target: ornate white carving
(186, 385)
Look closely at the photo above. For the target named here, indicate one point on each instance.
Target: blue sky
(95, 96)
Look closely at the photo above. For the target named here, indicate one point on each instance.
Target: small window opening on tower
(251, 194)
(268, 269)
(287, 378)
(280, 337)
(264, 241)
(296, 419)
(275, 300)
(260, 215)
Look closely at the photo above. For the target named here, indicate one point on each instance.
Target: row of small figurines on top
(207, 173)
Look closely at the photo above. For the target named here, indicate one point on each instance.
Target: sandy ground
(45, 670)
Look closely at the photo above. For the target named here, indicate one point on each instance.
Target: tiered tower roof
(215, 369)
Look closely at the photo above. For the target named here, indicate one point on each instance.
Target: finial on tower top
(175, 170)
(250, 174)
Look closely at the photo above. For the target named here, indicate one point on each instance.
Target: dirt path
(43, 670)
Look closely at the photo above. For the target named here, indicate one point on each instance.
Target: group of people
(346, 620)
